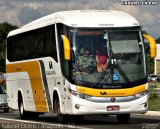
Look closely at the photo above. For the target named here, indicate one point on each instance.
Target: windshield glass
(102, 56)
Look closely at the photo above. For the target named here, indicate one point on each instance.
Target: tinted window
(34, 44)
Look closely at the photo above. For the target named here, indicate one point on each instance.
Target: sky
(21, 12)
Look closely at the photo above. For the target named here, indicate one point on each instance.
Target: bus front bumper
(84, 107)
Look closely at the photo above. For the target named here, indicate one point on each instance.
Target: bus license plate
(113, 108)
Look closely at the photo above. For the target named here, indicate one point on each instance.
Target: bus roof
(82, 18)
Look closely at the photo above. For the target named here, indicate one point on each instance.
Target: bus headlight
(80, 95)
(141, 94)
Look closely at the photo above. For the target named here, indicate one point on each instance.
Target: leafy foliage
(144, 31)
(158, 40)
(150, 64)
(5, 28)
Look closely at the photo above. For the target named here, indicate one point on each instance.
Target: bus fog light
(77, 106)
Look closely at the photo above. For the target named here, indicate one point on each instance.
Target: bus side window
(50, 40)
(34, 44)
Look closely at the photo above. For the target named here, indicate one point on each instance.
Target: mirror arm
(152, 45)
(66, 47)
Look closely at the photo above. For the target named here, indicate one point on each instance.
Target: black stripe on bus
(45, 85)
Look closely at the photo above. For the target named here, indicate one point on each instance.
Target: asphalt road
(12, 120)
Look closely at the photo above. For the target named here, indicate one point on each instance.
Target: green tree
(158, 40)
(144, 31)
(150, 64)
(5, 28)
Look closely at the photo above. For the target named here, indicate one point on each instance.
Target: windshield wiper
(103, 73)
(111, 66)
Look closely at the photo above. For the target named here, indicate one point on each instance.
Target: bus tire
(33, 115)
(22, 112)
(6, 110)
(62, 118)
(123, 118)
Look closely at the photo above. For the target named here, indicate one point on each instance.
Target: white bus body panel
(19, 82)
(82, 18)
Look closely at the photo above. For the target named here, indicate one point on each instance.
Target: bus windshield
(105, 56)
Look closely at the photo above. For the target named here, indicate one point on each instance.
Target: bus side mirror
(66, 47)
(153, 48)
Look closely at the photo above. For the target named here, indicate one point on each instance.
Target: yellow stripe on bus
(111, 92)
(33, 70)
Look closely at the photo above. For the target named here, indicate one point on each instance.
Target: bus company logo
(103, 93)
(52, 72)
(50, 65)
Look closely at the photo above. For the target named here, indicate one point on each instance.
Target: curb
(153, 113)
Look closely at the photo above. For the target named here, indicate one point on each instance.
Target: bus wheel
(123, 118)
(23, 113)
(61, 117)
(6, 110)
(32, 115)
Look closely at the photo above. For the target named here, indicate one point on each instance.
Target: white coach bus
(77, 63)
